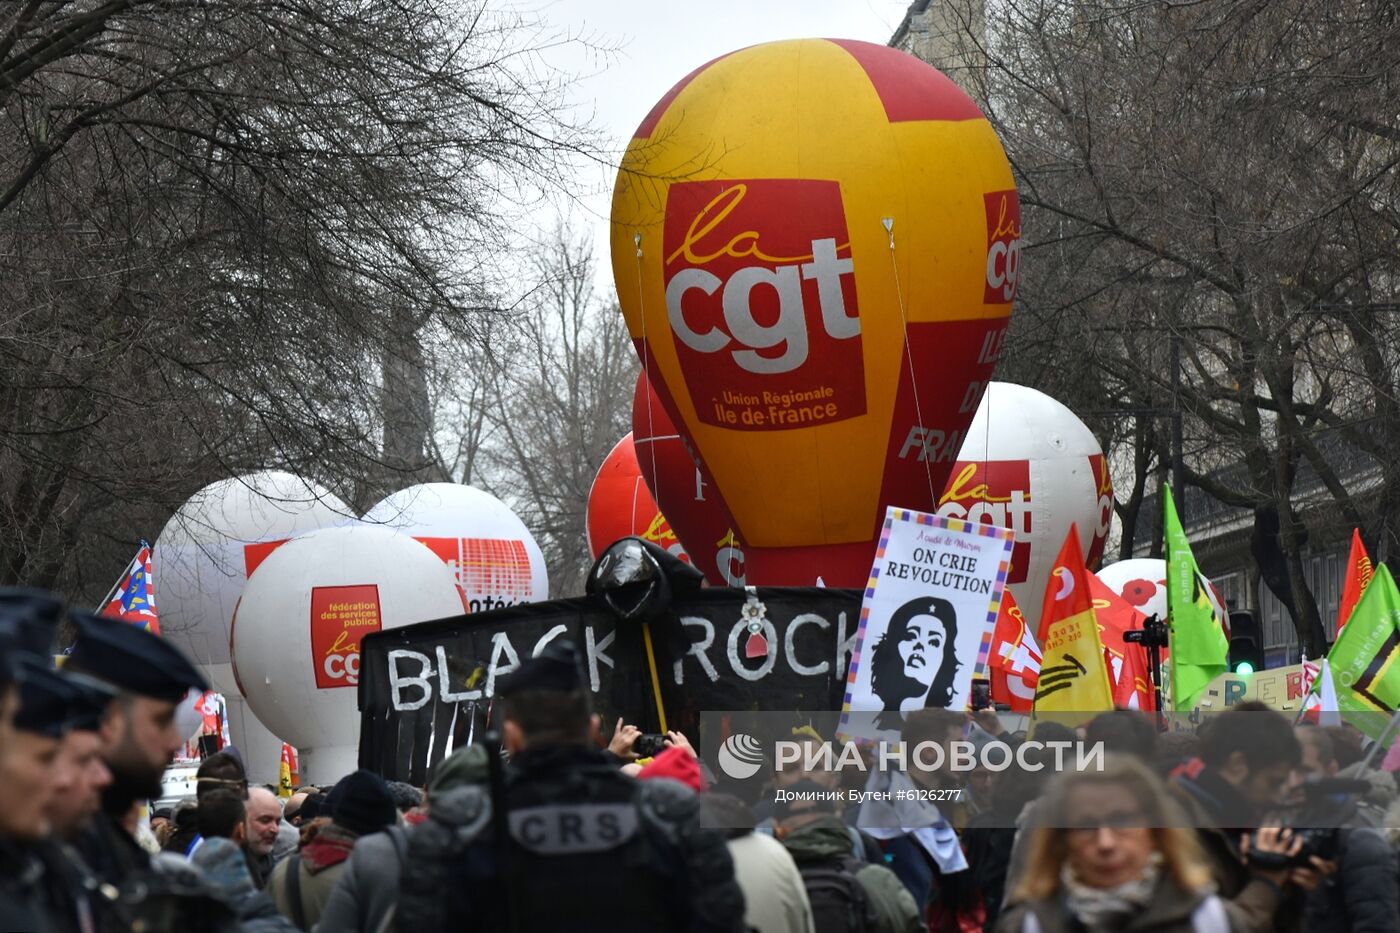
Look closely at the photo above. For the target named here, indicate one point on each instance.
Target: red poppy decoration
(1138, 592)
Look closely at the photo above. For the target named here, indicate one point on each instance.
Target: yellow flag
(284, 773)
(1073, 678)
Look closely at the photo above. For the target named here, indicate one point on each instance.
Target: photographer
(629, 745)
(1357, 892)
(1247, 756)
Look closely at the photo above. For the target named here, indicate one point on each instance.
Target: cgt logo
(994, 493)
(761, 299)
(340, 617)
(1003, 246)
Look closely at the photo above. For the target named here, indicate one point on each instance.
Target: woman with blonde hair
(1113, 853)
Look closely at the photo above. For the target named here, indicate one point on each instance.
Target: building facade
(951, 35)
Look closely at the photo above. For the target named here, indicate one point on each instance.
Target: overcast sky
(658, 42)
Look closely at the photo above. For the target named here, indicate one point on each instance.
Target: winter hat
(313, 806)
(728, 814)
(361, 803)
(406, 796)
(678, 765)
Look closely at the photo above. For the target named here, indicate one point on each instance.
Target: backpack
(839, 901)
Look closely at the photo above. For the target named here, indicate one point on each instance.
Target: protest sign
(928, 615)
(428, 688)
(1280, 688)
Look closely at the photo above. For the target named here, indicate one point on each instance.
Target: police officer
(139, 740)
(139, 735)
(26, 762)
(576, 845)
(78, 777)
(31, 713)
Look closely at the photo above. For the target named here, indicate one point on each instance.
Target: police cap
(132, 659)
(556, 668)
(91, 699)
(29, 618)
(44, 698)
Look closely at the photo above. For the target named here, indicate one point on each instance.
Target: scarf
(1110, 908)
(330, 846)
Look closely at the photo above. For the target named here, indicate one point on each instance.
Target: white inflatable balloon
(488, 548)
(1142, 582)
(1028, 464)
(200, 565)
(297, 631)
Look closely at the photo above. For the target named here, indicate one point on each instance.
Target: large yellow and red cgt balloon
(816, 245)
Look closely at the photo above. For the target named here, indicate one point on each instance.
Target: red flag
(1134, 687)
(1013, 647)
(1127, 662)
(1015, 690)
(1358, 575)
(1014, 663)
(1115, 615)
(133, 599)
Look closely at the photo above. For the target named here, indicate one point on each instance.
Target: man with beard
(139, 736)
(264, 821)
(139, 740)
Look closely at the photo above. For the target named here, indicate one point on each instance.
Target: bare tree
(563, 381)
(234, 234)
(1220, 178)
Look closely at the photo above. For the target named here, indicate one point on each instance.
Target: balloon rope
(655, 678)
(646, 374)
(909, 355)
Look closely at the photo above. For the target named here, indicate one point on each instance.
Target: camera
(649, 745)
(1327, 806)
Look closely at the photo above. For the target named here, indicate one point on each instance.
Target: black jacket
(1362, 896)
(22, 890)
(584, 848)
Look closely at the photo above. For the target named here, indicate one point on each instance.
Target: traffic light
(1246, 644)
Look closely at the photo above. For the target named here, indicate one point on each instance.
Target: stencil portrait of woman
(913, 664)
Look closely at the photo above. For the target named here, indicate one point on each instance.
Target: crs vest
(589, 849)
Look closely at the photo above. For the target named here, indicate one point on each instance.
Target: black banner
(426, 689)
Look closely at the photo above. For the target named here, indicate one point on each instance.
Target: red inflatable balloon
(687, 495)
(620, 506)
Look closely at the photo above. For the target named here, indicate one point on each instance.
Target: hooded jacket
(775, 898)
(367, 890)
(826, 840)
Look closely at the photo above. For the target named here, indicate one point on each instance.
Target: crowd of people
(552, 826)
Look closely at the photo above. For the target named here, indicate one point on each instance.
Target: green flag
(1365, 659)
(1200, 651)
